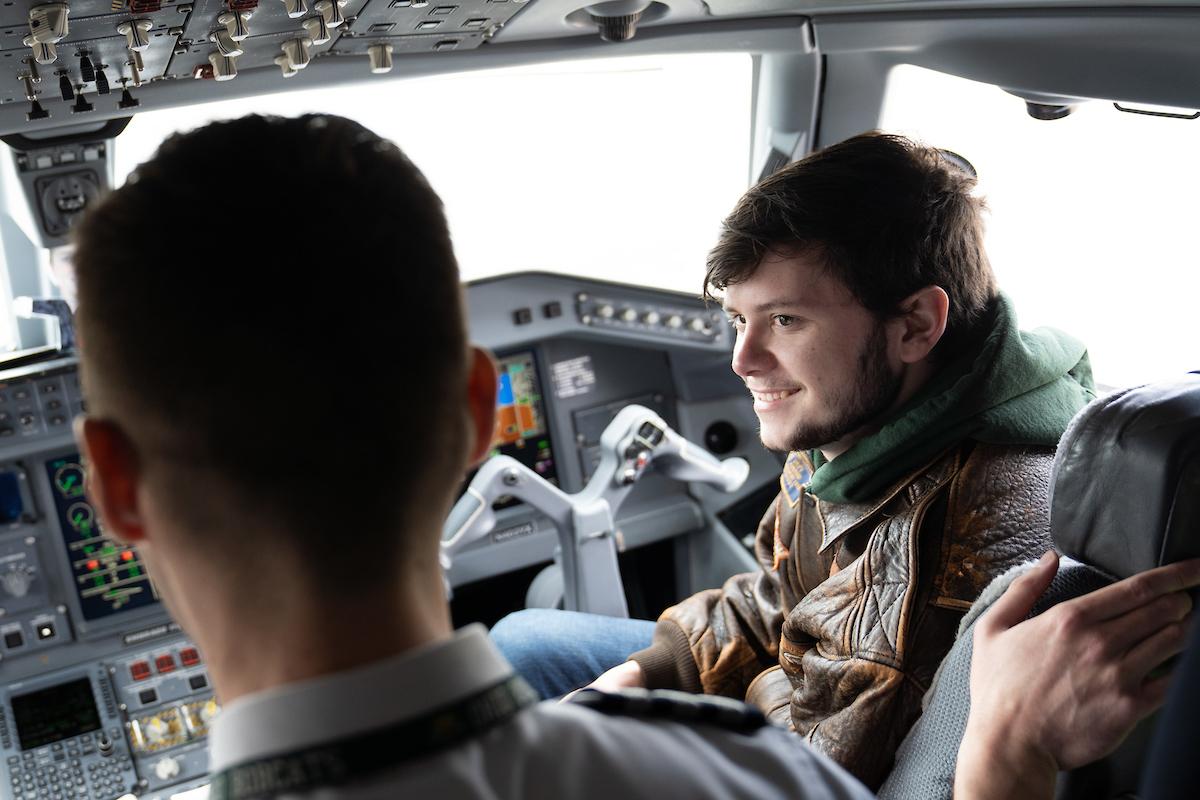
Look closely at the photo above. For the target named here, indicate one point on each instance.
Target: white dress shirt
(552, 751)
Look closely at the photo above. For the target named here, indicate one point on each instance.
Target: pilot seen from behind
(284, 457)
(920, 426)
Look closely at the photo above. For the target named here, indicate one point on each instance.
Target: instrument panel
(102, 694)
(97, 680)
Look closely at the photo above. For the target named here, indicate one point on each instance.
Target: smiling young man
(822, 369)
(919, 424)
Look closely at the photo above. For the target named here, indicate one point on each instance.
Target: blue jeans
(559, 651)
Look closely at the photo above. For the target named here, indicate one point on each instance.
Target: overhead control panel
(70, 58)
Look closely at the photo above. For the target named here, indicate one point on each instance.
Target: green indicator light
(88, 548)
(97, 580)
(109, 551)
(543, 444)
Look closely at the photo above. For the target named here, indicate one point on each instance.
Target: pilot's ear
(922, 318)
(481, 397)
(113, 476)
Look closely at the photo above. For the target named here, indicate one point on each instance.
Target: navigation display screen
(109, 577)
(521, 428)
(54, 714)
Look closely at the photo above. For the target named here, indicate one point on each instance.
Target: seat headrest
(1126, 492)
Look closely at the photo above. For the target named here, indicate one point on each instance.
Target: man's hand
(1064, 689)
(622, 676)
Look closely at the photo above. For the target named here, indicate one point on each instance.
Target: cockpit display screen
(109, 577)
(521, 428)
(57, 713)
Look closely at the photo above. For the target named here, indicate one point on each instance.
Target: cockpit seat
(1126, 498)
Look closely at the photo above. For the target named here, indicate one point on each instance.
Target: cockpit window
(1092, 217)
(614, 168)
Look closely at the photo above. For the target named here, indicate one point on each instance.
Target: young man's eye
(737, 321)
(783, 320)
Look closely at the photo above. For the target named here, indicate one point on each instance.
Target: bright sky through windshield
(616, 168)
(1092, 217)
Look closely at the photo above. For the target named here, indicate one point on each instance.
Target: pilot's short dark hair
(885, 215)
(276, 301)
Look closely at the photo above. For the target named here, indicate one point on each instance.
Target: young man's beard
(870, 396)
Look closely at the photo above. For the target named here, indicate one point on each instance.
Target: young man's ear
(923, 316)
(481, 397)
(113, 476)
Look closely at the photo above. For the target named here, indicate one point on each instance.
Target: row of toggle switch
(49, 24)
(682, 323)
(673, 321)
(296, 53)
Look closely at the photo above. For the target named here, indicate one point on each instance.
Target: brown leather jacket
(840, 633)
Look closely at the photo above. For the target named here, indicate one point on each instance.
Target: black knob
(720, 438)
(102, 86)
(36, 112)
(617, 29)
(87, 70)
(128, 100)
(66, 88)
(81, 105)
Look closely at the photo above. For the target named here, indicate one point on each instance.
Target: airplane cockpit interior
(626, 470)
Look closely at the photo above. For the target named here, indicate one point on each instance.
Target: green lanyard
(358, 756)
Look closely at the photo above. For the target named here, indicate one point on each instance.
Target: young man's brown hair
(886, 216)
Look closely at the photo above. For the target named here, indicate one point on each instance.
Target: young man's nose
(749, 353)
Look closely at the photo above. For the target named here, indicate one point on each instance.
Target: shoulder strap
(356, 757)
(666, 704)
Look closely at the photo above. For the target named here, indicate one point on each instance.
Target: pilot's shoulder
(653, 744)
(682, 707)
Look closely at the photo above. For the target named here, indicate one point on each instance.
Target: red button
(139, 670)
(165, 663)
(189, 656)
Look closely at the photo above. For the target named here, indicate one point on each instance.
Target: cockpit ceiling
(63, 72)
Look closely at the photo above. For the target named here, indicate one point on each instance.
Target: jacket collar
(841, 519)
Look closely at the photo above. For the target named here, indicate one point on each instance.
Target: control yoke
(635, 439)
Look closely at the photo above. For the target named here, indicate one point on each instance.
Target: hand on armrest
(1065, 688)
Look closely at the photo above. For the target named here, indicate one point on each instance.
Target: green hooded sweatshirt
(1017, 388)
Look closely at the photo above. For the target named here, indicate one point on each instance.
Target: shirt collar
(298, 715)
